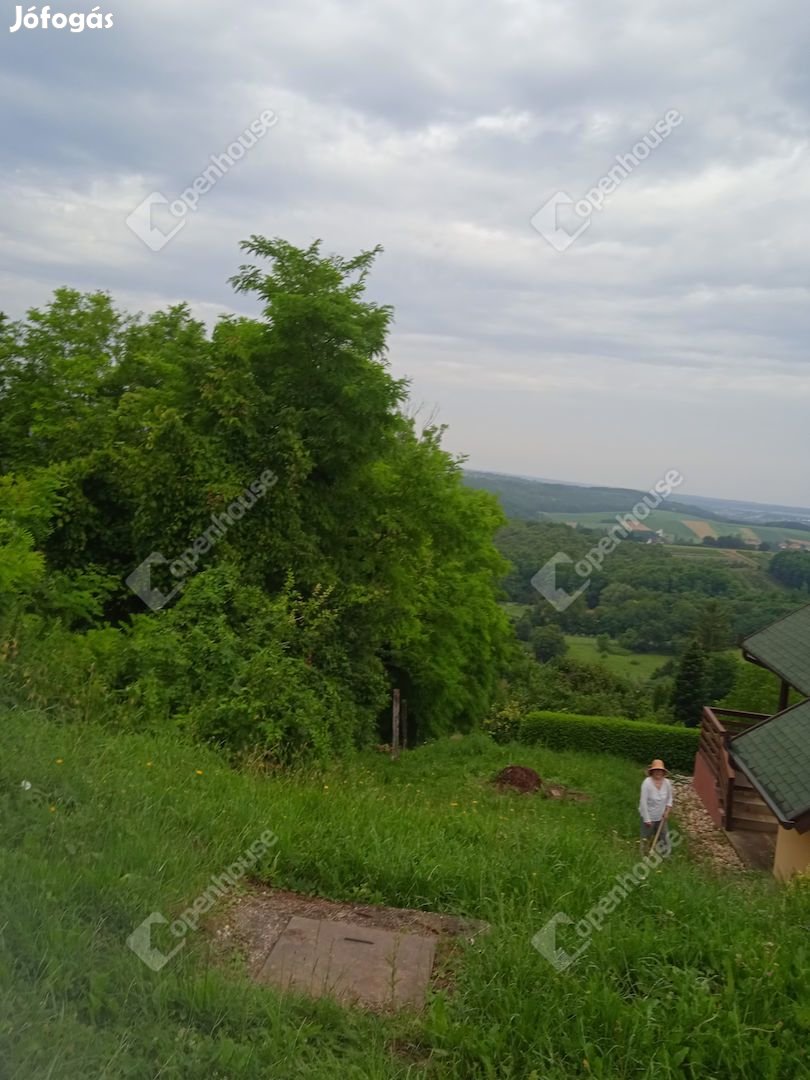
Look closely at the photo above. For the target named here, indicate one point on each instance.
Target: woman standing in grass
(654, 807)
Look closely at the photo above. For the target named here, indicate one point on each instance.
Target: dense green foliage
(694, 975)
(547, 643)
(644, 596)
(730, 541)
(644, 601)
(568, 685)
(792, 568)
(755, 690)
(317, 548)
(633, 739)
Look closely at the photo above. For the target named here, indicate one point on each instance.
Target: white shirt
(654, 799)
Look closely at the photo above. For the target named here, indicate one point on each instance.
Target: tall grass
(692, 976)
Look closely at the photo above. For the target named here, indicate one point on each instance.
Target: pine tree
(689, 690)
(713, 627)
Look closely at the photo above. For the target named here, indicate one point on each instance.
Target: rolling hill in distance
(688, 519)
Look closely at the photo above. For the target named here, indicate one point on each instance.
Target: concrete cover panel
(352, 963)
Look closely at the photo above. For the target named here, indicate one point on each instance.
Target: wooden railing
(718, 728)
(734, 720)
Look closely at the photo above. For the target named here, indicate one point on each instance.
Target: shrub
(634, 739)
(242, 669)
(504, 721)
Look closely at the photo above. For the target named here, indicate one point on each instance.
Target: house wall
(705, 785)
(792, 853)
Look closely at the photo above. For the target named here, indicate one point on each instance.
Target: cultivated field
(701, 529)
(678, 528)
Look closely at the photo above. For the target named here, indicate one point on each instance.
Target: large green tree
(364, 563)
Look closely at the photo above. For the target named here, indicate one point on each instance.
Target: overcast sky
(672, 333)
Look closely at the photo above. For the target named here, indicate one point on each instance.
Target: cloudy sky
(671, 333)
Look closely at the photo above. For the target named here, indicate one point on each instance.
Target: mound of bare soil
(518, 778)
(526, 781)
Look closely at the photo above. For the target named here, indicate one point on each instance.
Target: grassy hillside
(638, 666)
(691, 976)
(530, 499)
(682, 519)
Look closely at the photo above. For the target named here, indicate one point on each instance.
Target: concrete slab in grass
(356, 964)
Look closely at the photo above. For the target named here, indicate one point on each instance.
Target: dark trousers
(647, 832)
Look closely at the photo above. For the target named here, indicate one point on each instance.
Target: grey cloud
(438, 129)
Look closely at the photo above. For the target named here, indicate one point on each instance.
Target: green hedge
(634, 739)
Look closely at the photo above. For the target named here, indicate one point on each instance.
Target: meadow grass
(515, 611)
(630, 665)
(691, 976)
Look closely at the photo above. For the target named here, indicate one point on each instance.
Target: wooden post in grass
(395, 727)
(404, 723)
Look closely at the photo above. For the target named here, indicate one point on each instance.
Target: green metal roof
(784, 647)
(775, 754)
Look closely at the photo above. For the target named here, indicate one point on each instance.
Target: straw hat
(657, 764)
